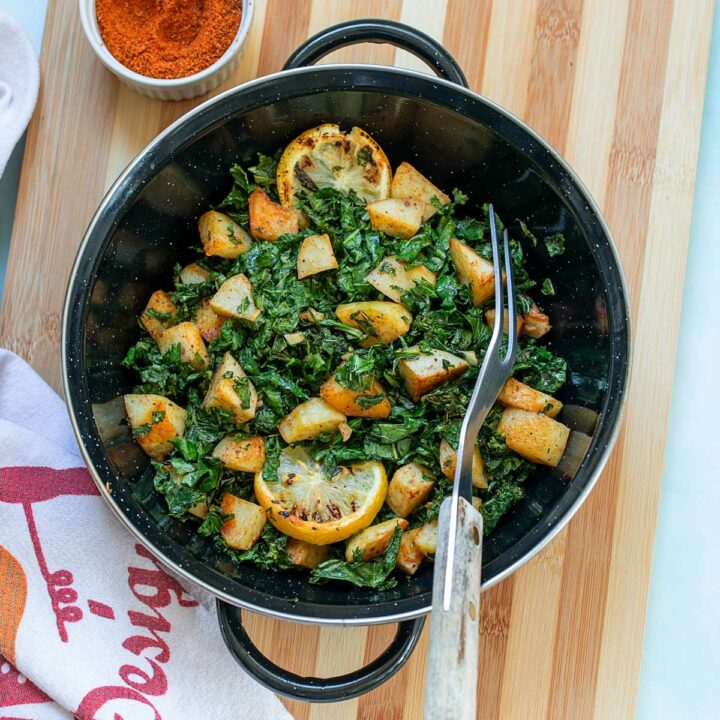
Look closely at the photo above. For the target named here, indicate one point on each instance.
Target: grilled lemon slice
(307, 504)
(325, 156)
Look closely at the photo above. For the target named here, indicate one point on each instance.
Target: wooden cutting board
(617, 87)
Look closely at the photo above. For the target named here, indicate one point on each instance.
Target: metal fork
(451, 683)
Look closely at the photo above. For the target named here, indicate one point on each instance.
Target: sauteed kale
(325, 341)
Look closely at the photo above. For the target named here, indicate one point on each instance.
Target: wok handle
(313, 689)
(378, 31)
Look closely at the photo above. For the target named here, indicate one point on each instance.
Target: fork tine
(509, 358)
(499, 301)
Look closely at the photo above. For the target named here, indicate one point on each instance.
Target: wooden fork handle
(451, 683)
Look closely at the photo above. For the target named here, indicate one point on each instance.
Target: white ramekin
(178, 88)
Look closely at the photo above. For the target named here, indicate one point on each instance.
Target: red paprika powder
(167, 38)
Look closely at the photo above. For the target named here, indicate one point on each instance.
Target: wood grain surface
(616, 86)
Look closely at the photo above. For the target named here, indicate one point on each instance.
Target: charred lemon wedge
(325, 156)
(307, 503)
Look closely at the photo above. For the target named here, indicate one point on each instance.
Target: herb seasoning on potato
(302, 384)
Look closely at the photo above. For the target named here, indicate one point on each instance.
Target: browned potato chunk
(409, 488)
(242, 455)
(234, 299)
(393, 279)
(159, 314)
(490, 320)
(400, 218)
(409, 183)
(315, 256)
(448, 464)
(155, 421)
(308, 420)
(188, 337)
(519, 395)
(372, 403)
(207, 321)
(373, 541)
(390, 278)
(222, 236)
(194, 274)
(534, 436)
(429, 370)
(231, 389)
(381, 321)
(409, 555)
(426, 539)
(420, 272)
(245, 527)
(535, 323)
(345, 431)
(268, 220)
(473, 270)
(294, 338)
(477, 503)
(312, 315)
(305, 554)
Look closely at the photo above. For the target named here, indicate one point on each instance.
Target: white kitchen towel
(90, 624)
(19, 82)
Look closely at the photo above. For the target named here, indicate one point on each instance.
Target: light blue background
(680, 678)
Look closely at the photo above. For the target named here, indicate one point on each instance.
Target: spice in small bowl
(168, 49)
(167, 38)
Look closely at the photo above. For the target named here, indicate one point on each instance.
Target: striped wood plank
(617, 87)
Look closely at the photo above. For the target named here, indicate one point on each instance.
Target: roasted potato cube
(420, 272)
(305, 554)
(381, 321)
(519, 395)
(308, 420)
(194, 274)
(490, 320)
(222, 236)
(534, 436)
(294, 338)
(188, 337)
(155, 421)
(409, 555)
(315, 256)
(429, 370)
(268, 220)
(393, 279)
(312, 315)
(234, 299)
(409, 183)
(448, 464)
(159, 314)
(390, 278)
(231, 389)
(345, 431)
(409, 488)
(372, 403)
(400, 218)
(245, 527)
(426, 539)
(242, 455)
(207, 321)
(477, 503)
(373, 541)
(535, 323)
(473, 270)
